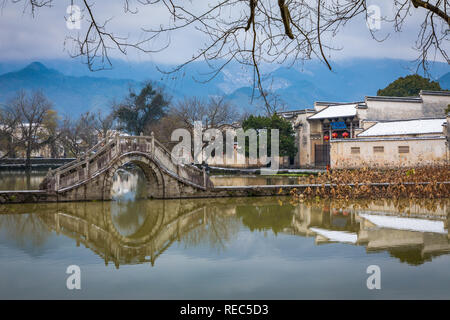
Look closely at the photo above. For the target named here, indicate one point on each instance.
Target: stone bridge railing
(101, 156)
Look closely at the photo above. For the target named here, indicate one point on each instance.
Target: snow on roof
(392, 128)
(339, 236)
(336, 111)
(412, 224)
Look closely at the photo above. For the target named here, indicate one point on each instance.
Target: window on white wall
(403, 149)
(378, 149)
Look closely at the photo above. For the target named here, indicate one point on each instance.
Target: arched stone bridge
(95, 228)
(90, 177)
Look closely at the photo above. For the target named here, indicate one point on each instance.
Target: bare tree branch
(256, 32)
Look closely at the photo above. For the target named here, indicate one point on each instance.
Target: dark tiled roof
(394, 99)
(434, 93)
(288, 114)
(330, 103)
(440, 137)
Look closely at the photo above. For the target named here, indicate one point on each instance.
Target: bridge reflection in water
(133, 232)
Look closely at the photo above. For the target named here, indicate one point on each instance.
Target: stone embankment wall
(36, 163)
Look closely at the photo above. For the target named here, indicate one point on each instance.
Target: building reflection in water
(130, 232)
(409, 231)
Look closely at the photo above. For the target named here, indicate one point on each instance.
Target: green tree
(409, 86)
(447, 111)
(286, 132)
(139, 111)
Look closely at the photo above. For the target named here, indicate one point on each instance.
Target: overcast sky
(43, 36)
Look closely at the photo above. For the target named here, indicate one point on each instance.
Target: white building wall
(434, 105)
(422, 151)
(392, 110)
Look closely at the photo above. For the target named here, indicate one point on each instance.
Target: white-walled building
(393, 144)
(317, 128)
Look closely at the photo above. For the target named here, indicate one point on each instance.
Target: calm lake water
(237, 248)
(17, 180)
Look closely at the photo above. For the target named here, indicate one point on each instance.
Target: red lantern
(345, 135)
(334, 135)
(326, 138)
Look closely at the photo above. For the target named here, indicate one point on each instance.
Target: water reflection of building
(414, 237)
(140, 231)
(410, 239)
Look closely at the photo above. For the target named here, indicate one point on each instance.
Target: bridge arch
(146, 231)
(156, 180)
(90, 176)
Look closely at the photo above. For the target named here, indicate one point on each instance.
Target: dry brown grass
(404, 183)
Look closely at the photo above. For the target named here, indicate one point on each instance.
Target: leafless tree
(52, 132)
(87, 133)
(31, 111)
(273, 103)
(164, 127)
(189, 110)
(104, 123)
(78, 135)
(70, 138)
(8, 123)
(212, 113)
(253, 32)
(219, 111)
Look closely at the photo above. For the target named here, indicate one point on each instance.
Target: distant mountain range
(74, 89)
(444, 81)
(71, 95)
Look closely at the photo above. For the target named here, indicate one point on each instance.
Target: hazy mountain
(74, 89)
(444, 81)
(348, 81)
(71, 95)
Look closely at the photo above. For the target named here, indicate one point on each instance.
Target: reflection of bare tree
(24, 228)
(407, 206)
(217, 229)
